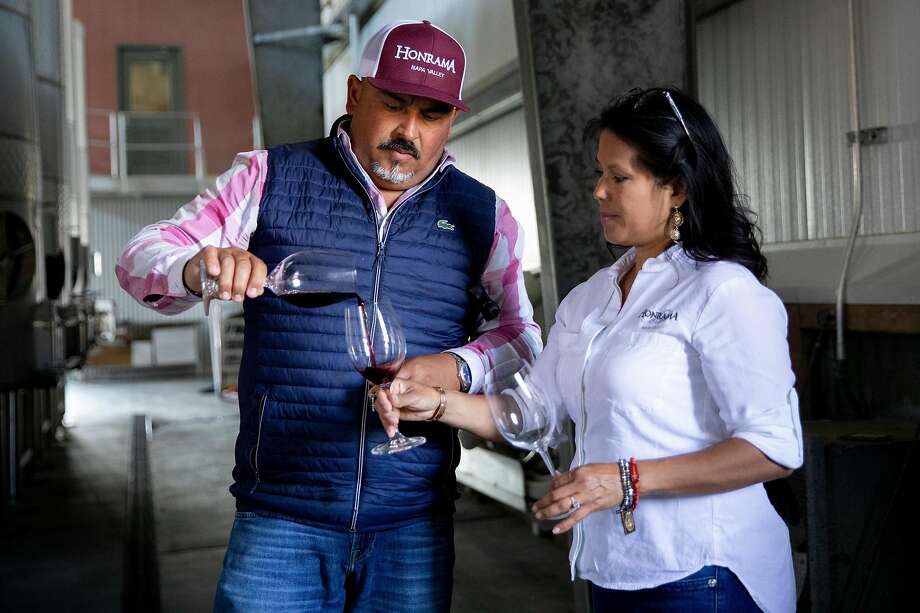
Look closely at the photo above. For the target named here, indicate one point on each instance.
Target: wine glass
(310, 271)
(522, 413)
(377, 348)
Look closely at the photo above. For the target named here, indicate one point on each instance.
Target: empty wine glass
(377, 348)
(311, 271)
(522, 413)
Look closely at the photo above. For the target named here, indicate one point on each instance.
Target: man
(321, 523)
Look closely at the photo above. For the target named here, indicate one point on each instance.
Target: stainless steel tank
(46, 47)
(21, 255)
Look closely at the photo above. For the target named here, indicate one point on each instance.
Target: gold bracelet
(442, 404)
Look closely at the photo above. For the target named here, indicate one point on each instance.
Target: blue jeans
(712, 589)
(278, 565)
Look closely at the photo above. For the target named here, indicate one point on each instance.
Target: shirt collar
(656, 264)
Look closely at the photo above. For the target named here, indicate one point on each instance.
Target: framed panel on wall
(150, 90)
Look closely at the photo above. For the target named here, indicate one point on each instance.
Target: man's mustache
(400, 145)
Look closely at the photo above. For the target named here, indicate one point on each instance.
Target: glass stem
(544, 453)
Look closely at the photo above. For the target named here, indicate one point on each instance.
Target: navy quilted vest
(305, 428)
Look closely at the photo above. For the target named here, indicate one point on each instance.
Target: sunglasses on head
(667, 95)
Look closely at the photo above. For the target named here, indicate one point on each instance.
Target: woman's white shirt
(697, 355)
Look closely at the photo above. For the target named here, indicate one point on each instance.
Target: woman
(673, 364)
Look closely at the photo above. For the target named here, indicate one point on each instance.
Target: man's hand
(238, 272)
(438, 370)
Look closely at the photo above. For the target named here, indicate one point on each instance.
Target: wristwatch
(463, 372)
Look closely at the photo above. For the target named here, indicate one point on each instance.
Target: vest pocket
(254, 451)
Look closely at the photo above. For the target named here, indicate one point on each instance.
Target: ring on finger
(575, 504)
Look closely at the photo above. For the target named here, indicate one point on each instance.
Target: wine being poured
(377, 348)
(309, 277)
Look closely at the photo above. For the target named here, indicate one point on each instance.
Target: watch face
(463, 372)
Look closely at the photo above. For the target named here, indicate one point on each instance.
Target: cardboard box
(109, 355)
(141, 353)
(174, 345)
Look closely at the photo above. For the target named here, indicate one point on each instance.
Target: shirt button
(712, 582)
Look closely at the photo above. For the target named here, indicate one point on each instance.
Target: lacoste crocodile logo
(443, 224)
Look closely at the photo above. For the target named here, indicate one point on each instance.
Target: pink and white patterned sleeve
(514, 333)
(223, 215)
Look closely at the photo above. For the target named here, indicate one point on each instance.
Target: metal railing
(144, 143)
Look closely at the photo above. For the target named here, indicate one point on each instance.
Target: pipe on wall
(857, 189)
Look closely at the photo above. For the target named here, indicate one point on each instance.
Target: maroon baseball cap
(417, 59)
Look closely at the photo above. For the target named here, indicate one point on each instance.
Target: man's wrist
(185, 284)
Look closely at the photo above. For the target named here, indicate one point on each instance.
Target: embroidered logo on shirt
(443, 224)
(649, 317)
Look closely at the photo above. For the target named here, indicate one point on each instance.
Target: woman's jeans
(274, 564)
(713, 589)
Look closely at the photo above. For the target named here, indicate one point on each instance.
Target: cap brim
(414, 89)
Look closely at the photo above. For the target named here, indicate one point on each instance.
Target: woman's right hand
(238, 272)
(403, 399)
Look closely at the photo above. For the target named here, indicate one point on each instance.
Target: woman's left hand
(594, 486)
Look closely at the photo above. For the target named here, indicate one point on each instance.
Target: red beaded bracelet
(634, 475)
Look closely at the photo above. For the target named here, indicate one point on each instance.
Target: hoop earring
(677, 219)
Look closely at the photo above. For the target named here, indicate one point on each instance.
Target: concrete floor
(61, 543)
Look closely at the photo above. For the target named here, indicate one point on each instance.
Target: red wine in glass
(378, 375)
(377, 348)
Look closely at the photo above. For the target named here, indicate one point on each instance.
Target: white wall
(114, 219)
(774, 74)
(889, 69)
(496, 154)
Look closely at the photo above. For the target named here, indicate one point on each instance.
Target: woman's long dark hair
(717, 223)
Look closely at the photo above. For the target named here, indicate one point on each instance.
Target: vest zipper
(451, 441)
(378, 265)
(255, 453)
